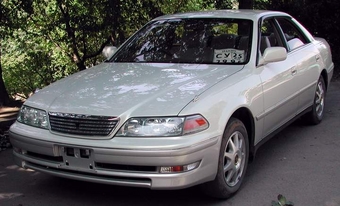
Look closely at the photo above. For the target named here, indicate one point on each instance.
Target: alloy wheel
(234, 158)
(319, 99)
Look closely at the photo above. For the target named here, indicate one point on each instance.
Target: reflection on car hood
(130, 89)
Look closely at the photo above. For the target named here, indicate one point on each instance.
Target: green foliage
(176, 6)
(45, 40)
(282, 201)
(31, 64)
(11, 18)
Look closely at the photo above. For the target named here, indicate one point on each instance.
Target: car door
(280, 91)
(307, 58)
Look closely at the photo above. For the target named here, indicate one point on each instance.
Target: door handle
(294, 72)
(317, 57)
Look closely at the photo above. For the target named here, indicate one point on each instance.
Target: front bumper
(125, 167)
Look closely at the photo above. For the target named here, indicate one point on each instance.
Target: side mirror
(273, 54)
(108, 51)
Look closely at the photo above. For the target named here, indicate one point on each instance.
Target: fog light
(180, 168)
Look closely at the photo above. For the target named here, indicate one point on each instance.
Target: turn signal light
(180, 168)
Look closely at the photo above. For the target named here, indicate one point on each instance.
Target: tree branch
(70, 32)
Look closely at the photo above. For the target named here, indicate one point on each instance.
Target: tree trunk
(81, 66)
(246, 4)
(4, 98)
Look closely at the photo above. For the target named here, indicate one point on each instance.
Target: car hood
(130, 89)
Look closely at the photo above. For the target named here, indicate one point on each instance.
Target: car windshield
(209, 41)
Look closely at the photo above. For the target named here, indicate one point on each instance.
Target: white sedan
(187, 100)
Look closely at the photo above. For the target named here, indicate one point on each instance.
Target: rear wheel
(315, 116)
(233, 161)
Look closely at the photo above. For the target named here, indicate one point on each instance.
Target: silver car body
(270, 94)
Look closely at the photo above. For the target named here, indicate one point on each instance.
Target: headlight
(163, 126)
(33, 117)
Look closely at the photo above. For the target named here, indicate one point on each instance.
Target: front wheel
(233, 161)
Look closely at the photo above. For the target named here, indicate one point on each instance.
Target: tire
(232, 163)
(315, 116)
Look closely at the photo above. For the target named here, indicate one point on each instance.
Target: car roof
(237, 14)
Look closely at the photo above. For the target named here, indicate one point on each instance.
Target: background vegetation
(42, 41)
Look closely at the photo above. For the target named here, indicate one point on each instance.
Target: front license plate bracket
(75, 158)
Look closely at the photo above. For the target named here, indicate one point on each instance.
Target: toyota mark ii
(186, 100)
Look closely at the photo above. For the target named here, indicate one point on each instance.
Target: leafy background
(45, 40)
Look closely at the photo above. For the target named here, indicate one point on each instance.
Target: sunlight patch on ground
(12, 167)
(15, 167)
(333, 202)
(9, 195)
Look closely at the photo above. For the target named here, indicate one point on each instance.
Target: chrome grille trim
(86, 125)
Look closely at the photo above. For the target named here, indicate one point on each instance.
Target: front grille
(84, 125)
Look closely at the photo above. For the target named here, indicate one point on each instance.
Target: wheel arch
(325, 77)
(247, 118)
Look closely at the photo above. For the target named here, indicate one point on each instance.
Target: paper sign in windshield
(228, 56)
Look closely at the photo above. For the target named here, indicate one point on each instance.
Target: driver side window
(269, 37)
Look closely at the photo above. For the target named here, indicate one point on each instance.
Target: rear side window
(293, 36)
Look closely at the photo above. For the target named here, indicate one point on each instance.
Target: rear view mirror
(108, 51)
(273, 54)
